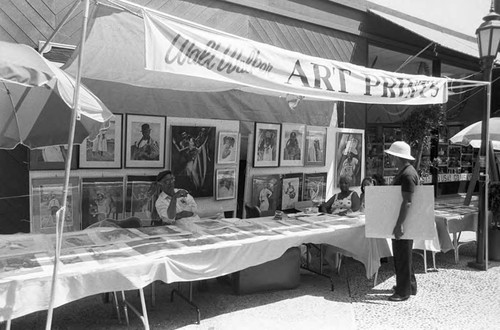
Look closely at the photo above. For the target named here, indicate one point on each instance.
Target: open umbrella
(22, 64)
(40, 115)
(37, 108)
(471, 135)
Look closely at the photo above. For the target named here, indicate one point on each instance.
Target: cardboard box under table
(279, 274)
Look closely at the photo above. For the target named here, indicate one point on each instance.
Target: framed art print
(349, 155)
(227, 152)
(266, 145)
(105, 151)
(292, 145)
(102, 198)
(315, 146)
(47, 199)
(140, 197)
(225, 187)
(145, 141)
(291, 190)
(314, 187)
(52, 158)
(265, 193)
(192, 159)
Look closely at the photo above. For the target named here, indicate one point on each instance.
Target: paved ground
(452, 297)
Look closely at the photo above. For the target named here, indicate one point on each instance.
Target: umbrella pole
(67, 170)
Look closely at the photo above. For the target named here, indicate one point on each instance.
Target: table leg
(188, 300)
(144, 316)
(117, 307)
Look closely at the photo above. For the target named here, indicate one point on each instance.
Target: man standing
(407, 178)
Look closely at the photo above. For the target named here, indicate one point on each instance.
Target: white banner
(180, 47)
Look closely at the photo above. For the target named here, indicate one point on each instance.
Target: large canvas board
(382, 209)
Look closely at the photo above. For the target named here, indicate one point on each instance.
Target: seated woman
(366, 182)
(346, 201)
(173, 204)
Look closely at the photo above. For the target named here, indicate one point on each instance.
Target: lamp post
(488, 39)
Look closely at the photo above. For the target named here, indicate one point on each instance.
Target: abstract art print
(105, 150)
(145, 141)
(266, 145)
(292, 145)
(192, 159)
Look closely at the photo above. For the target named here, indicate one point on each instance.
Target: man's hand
(398, 231)
(180, 193)
(184, 214)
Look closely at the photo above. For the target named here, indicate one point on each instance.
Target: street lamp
(488, 39)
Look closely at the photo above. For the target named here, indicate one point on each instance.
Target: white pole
(67, 170)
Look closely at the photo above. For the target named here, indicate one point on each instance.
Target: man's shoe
(413, 293)
(396, 297)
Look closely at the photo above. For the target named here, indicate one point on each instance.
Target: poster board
(382, 210)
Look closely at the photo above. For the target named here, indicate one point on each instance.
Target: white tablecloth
(113, 259)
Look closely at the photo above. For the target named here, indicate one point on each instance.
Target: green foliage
(418, 126)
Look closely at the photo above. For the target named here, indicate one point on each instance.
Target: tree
(417, 128)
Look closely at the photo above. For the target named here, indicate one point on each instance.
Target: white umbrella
(471, 135)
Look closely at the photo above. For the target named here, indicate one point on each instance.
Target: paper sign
(382, 205)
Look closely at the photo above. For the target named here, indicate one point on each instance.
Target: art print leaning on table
(192, 159)
(266, 145)
(265, 193)
(315, 187)
(139, 201)
(47, 199)
(101, 198)
(145, 141)
(105, 151)
(226, 183)
(291, 190)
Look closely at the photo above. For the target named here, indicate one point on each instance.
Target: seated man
(173, 204)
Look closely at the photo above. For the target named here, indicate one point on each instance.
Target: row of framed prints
(289, 145)
(144, 146)
(281, 192)
(91, 200)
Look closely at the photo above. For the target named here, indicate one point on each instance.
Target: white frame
(117, 161)
(235, 153)
(266, 163)
(133, 133)
(286, 130)
(220, 174)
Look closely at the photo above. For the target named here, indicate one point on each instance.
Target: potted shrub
(494, 227)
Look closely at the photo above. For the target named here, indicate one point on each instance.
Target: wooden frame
(266, 145)
(150, 154)
(192, 154)
(349, 151)
(315, 146)
(292, 145)
(314, 187)
(291, 190)
(225, 187)
(52, 158)
(47, 199)
(265, 193)
(102, 198)
(228, 150)
(105, 151)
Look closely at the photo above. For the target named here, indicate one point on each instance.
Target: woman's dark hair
(367, 179)
(379, 179)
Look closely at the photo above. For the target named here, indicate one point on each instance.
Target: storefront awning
(444, 39)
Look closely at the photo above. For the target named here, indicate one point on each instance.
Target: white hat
(400, 149)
